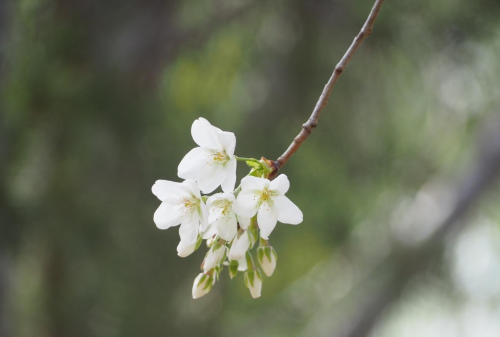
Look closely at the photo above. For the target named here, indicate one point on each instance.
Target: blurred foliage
(97, 102)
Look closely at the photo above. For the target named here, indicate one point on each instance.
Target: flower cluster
(230, 221)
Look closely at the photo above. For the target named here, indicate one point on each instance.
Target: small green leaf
(254, 164)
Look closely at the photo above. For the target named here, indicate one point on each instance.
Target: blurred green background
(97, 101)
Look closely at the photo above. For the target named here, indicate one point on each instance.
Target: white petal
(242, 264)
(288, 212)
(256, 287)
(220, 196)
(230, 168)
(267, 259)
(207, 173)
(280, 184)
(246, 204)
(209, 184)
(244, 222)
(210, 231)
(228, 142)
(215, 213)
(214, 257)
(227, 226)
(239, 246)
(193, 163)
(165, 189)
(168, 215)
(201, 289)
(267, 219)
(203, 216)
(184, 250)
(192, 187)
(189, 229)
(205, 135)
(250, 183)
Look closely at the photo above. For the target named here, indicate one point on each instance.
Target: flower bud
(184, 250)
(215, 256)
(202, 285)
(267, 258)
(240, 245)
(253, 281)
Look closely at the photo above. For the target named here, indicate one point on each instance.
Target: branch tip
(323, 99)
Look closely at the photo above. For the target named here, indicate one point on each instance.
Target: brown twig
(312, 122)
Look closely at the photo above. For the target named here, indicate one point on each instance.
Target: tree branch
(312, 122)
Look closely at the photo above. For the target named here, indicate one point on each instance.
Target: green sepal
(253, 230)
(251, 237)
(208, 284)
(260, 254)
(249, 258)
(267, 250)
(198, 242)
(233, 268)
(251, 277)
(259, 274)
(218, 270)
(216, 245)
(202, 279)
(275, 254)
(246, 280)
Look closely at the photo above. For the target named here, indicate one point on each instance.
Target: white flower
(267, 199)
(267, 258)
(221, 215)
(213, 162)
(240, 245)
(184, 249)
(215, 256)
(203, 283)
(228, 228)
(181, 204)
(253, 281)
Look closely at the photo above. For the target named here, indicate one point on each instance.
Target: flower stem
(245, 159)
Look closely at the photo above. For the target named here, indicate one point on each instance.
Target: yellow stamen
(217, 157)
(190, 205)
(224, 206)
(266, 197)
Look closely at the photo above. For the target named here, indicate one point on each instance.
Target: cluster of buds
(231, 221)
